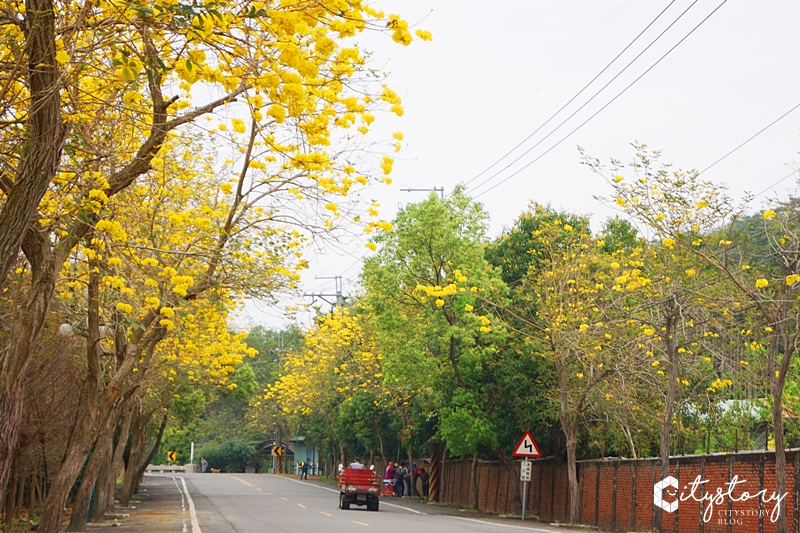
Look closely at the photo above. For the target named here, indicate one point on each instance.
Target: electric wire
(786, 177)
(765, 128)
(596, 112)
(523, 104)
(554, 115)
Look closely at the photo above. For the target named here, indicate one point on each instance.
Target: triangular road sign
(527, 447)
(388, 490)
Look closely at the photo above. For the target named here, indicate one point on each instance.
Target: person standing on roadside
(203, 465)
(388, 477)
(304, 470)
(424, 478)
(399, 480)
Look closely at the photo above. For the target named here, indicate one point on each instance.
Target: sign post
(525, 476)
(526, 448)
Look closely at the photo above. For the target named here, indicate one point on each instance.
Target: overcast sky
(496, 71)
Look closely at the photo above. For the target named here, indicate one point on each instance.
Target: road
(258, 503)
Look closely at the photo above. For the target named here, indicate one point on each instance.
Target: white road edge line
(195, 522)
(193, 514)
(183, 505)
(409, 509)
(183, 502)
(499, 525)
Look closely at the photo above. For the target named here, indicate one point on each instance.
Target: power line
(554, 115)
(765, 128)
(786, 177)
(523, 104)
(599, 110)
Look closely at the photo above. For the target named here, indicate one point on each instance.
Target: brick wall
(617, 495)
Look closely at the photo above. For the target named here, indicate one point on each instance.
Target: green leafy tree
(434, 332)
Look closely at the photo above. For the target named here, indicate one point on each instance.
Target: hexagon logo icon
(658, 494)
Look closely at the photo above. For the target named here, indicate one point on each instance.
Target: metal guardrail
(163, 469)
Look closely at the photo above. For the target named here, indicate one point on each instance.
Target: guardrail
(164, 469)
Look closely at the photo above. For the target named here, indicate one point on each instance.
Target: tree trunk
(53, 509)
(10, 419)
(443, 492)
(473, 482)
(15, 358)
(134, 459)
(777, 384)
(383, 450)
(780, 453)
(512, 474)
(412, 479)
(572, 476)
(10, 498)
(101, 487)
(137, 464)
(342, 458)
(80, 508)
(44, 131)
(672, 355)
(569, 417)
(45, 137)
(105, 502)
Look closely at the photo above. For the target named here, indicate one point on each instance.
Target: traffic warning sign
(527, 447)
(388, 490)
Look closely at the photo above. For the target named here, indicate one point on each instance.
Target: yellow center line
(243, 481)
(359, 523)
(269, 494)
(301, 505)
(284, 499)
(258, 488)
(326, 514)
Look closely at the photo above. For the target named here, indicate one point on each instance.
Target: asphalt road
(258, 503)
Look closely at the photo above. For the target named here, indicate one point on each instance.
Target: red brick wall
(617, 495)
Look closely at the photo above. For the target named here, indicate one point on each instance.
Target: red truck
(359, 487)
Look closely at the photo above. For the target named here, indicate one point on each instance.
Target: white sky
(496, 71)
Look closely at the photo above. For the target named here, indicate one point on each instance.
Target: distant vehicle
(359, 487)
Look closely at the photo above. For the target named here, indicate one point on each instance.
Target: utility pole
(440, 190)
(336, 299)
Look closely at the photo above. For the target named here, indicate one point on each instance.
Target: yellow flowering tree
(699, 219)
(100, 94)
(338, 370)
(576, 327)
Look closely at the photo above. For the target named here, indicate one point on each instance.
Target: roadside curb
(162, 506)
